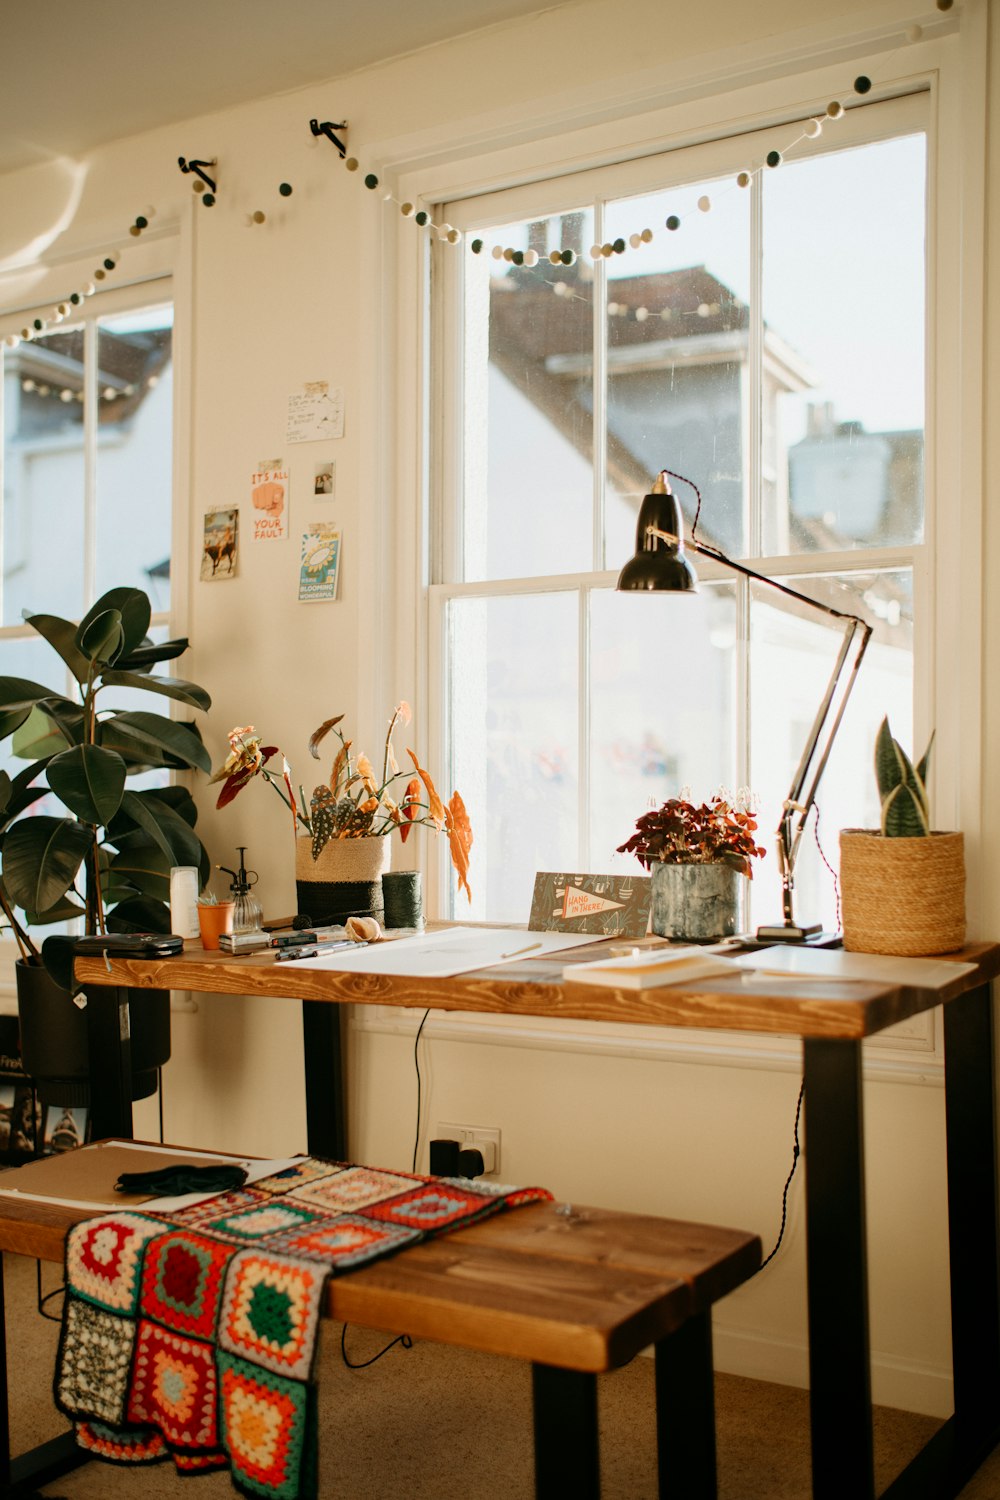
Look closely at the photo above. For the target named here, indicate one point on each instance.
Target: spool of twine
(403, 897)
(902, 896)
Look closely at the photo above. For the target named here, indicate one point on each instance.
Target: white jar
(184, 901)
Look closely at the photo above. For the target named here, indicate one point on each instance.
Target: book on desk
(647, 968)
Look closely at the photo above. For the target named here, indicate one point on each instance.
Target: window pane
(844, 311)
(527, 433)
(792, 655)
(134, 453)
(43, 476)
(512, 663)
(678, 330)
(663, 708)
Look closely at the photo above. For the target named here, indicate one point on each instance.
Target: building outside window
(772, 349)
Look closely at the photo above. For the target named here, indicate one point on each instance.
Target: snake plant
(902, 787)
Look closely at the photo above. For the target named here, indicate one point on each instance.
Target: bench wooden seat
(576, 1291)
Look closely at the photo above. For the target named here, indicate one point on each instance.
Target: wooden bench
(576, 1291)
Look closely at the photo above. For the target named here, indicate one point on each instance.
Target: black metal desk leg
(40, 1465)
(567, 1457)
(685, 1412)
(839, 1355)
(110, 1052)
(326, 1131)
(972, 1223)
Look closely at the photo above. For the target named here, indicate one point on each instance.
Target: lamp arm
(815, 754)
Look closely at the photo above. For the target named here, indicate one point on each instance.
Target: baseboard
(907, 1385)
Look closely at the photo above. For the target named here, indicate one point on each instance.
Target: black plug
(444, 1158)
(470, 1162)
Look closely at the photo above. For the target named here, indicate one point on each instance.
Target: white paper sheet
(791, 961)
(453, 950)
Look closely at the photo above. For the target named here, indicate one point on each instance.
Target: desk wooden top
(584, 1288)
(535, 987)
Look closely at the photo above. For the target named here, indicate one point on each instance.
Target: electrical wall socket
(484, 1138)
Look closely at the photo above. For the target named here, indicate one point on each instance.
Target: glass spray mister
(246, 907)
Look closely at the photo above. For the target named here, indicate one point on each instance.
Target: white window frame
(157, 271)
(767, 89)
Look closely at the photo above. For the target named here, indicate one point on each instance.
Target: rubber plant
(106, 855)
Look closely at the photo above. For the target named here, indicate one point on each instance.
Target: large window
(771, 348)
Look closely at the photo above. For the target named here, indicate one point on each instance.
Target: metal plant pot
(54, 1038)
(697, 903)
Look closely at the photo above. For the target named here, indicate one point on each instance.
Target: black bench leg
(326, 1130)
(49, 1460)
(567, 1457)
(685, 1412)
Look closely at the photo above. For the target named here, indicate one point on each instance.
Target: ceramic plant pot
(904, 896)
(54, 1037)
(696, 903)
(345, 881)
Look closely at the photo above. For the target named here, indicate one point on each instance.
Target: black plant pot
(54, 1038)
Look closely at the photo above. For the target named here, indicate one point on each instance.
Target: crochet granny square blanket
(192, 1335)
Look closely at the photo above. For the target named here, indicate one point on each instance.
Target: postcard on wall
(220, 548)
(269, 494)
(320, 562)
(314, 413)
(325, 479)
(606, 905)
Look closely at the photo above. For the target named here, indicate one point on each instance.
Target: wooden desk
(831, 1026)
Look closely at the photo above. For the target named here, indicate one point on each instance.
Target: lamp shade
(660, 563)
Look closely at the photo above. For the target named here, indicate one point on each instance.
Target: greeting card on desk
(605, 905)
(649, 967)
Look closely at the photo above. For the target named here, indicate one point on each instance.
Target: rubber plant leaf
(41, 856)
(177, 797)
(89, 780)
(164, 827)
(139, 914)
(61, 636)
(102, 639)
(147, 654)
(146, 868)
(146, 732)
(18, 693)
(52, 725)
(167, 687)
(134, 608)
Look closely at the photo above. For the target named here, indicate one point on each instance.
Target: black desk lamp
(661, 565)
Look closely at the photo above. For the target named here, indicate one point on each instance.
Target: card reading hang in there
(606, 905)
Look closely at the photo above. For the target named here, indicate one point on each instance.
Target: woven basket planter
(904, 896)
(345, 881)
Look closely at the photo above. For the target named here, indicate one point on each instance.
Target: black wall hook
(197, 168)
(327, 127)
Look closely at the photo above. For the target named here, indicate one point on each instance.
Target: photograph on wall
(220, 547)
(25, 1119)
(320, 563)
(6, 1114)
(269, 496)
(325, 481)
(314, 413)
(65, 1128)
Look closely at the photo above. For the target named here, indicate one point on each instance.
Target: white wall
(301, 298)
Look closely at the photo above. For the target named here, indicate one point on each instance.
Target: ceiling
(79, 75)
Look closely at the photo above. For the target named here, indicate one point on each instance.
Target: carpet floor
(433, 1423)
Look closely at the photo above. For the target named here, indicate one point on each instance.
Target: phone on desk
(131, 944)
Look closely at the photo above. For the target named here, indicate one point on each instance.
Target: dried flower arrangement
(355, 802)
(680, 833)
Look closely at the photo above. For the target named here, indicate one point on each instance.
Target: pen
(286, 955)
(518, 951)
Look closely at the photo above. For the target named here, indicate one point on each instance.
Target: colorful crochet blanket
(193, 1335)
